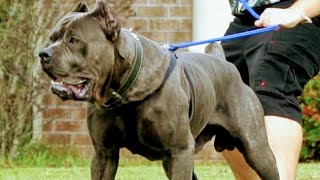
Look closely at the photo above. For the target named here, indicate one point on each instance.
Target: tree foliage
(17, 40)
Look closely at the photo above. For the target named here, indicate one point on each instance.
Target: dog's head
(82, 53)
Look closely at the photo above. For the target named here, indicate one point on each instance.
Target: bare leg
(285, 139)
(241, 170)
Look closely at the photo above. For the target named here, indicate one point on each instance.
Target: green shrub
(310, 104)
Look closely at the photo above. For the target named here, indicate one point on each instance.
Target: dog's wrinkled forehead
(101, 18)
(60, 28)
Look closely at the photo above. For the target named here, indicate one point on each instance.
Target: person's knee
(285, 139)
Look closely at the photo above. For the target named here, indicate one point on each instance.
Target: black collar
(118, 96)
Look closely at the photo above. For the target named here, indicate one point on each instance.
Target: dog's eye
(73, 40)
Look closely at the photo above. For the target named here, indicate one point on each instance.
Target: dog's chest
(141, 137)
(148, 127)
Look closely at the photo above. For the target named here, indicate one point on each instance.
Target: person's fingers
(258, 23)
(284, 17)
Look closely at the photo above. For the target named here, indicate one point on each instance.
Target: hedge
(310, 105)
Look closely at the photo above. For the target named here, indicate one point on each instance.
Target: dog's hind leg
(243, 118)
(248, 129)
(254, 147)
(259, 156)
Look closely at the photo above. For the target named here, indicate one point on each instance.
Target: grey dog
(160, 105)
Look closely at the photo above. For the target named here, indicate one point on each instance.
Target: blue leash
(248, 8)
(174, 47)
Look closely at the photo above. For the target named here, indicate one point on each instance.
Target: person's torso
(238, 9)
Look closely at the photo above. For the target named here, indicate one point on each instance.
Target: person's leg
(241, 170)
(285, 139)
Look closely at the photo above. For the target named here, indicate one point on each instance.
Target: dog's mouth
(67, 91)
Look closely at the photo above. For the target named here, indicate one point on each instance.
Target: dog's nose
(44, 56)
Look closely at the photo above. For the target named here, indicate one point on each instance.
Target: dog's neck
(125, 53)
(126, 69)
(155, 62)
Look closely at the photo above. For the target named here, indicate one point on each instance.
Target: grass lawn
(130, 170)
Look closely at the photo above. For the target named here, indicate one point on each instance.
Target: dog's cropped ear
(81, 7)
(111, 21)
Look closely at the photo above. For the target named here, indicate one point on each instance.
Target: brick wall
(64, 123)
(165, 21)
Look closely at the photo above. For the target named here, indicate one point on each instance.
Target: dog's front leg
(104, 164)
(179, 166)
(105, 135)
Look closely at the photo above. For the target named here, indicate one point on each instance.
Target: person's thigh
(285, 139)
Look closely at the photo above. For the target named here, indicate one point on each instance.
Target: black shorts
(276, 65)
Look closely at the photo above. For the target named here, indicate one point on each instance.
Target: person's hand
(287, 18)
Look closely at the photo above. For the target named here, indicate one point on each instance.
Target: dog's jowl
(160, 105)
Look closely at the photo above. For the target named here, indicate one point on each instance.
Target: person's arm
(310, 8)
(300, 11)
